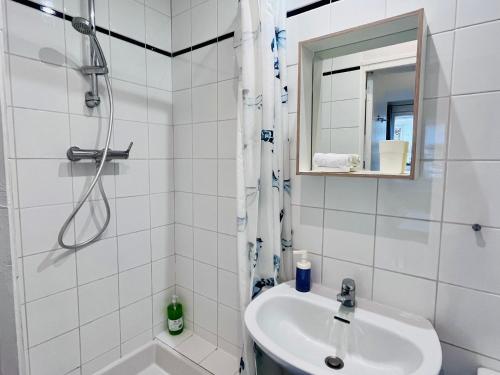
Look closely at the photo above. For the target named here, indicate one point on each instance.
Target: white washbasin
(298, 330)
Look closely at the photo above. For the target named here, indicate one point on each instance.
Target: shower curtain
(263, 179)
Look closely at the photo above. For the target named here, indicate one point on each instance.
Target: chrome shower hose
(97, 179)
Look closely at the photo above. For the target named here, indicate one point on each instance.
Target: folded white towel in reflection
(331, 160)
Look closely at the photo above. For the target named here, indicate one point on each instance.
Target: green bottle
(175, 320)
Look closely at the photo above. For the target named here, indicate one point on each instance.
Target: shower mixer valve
(75, 153)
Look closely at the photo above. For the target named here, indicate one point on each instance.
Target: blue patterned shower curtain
(263, 178)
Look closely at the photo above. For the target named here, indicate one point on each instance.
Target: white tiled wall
(81, 311)
(410, 244)
(204, 106)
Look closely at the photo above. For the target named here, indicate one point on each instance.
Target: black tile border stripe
(52, 12)
(67, 17)
(345, 70)
(308, 7)
(203, 44)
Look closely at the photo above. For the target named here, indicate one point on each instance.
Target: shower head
(83, 26)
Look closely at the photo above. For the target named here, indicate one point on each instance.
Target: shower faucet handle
(76, 153)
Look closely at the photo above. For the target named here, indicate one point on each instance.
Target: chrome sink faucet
(347, 295)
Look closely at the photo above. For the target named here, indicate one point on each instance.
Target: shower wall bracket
(75, 153)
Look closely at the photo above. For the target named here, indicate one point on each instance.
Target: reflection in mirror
(364, 99)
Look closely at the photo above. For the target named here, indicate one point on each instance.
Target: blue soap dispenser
(303, 272)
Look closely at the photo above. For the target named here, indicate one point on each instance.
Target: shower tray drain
(334, 362)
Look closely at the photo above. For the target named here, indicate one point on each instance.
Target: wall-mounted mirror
(360, 94)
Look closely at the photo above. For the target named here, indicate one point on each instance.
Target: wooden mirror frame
(304, 116)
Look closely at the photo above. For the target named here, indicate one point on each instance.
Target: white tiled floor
(200, 351)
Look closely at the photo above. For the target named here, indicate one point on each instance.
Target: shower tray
(154, 358)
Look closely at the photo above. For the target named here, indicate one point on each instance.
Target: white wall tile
(426, 194)
(226, 99)
(205, 103)
(159, 72)
(53, 175)
(205, 211)
(38, 85)
(434, 128)
(347, 14)
(407, 293)
(132, 214)
(334, 271)
(136, 318)
(457, 361)
(204, 21)
(160, 109)
(184, 240)
(227, 253)
(126, 132)
(97, 298)
(205, 246)
(161, 141)
(57, 356)
(97, 260)
(227, 16)
(127, 18)
(135, 284)
(130, 101)
(205, 176)
(163, 274)
(163, 6)
(478, 181)
(181, 29)
(229, 327)
(350, 195)
(226, 215)
(128, 61)
(470, 259)
(440, 15)
(469, 13)
(205, 313)
(161, 176)
(91, 219)
(205, 280)
(40, 227)
(35, 34)
(100, 336)
(305, 26)
(35, 127)
(158, 30)
(183, 208)
(184, 272)
(471, 133)
(181, 69)
(183, 175)
(438, 62)
(133, 250)
(307, 228)
(407, 246)
(205, 140)
(468, 52)
(349, 236)
(162, 241)
(307, 190)
(49, 273)
(227, 178)
(458, 322)
(204, 70)
(182, 103)
(229, 289)
(226, 148)
(132, 179)
(227, 66)
(44, 324)
(162, 209)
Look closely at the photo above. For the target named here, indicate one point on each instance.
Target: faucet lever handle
(348, 286)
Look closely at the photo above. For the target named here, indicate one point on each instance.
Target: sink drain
(334, 362)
